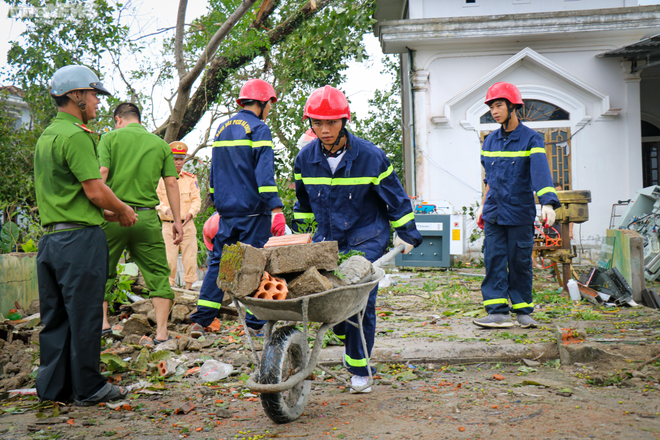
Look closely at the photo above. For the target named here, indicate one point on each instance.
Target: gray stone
(531, 363)
(334, 279)
(241, 360)
(194, 345)
(142, 307)
(179, 313)
(299, 258)
(151, 317)
(169, 345)
(308, 283)
(241, 268)
(355, 270)
(183, 342)
(33, 308)
(132, 339)
(16, 382)
(224, 413)
(12, 368)
(137, 324)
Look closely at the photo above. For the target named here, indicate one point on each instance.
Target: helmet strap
(511, 109)
(82, 105)
(262, 106)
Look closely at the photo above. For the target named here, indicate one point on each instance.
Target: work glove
(407, 246)
(278, 226)
(548, 215)
(480, 221)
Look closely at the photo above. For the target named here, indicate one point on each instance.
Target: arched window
(534, 110)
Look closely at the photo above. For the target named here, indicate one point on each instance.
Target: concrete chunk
(354, 270)
(241, 268)
(299, 258)
(179, 313)
(136, 325)
(308, 283)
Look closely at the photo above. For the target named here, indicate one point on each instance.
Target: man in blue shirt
(243, 189)
(516, 166)
(348, 186)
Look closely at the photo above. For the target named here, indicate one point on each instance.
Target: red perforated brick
(271, 288)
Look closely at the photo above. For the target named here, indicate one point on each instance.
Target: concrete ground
(439, 376)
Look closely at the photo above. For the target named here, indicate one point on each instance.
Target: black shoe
(115, 393)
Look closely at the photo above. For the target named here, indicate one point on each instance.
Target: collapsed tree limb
(185, 83)
(178, 39)
(221, 66)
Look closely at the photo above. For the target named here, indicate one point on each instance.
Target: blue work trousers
(355, 358)
(508, 261)
(253, 230)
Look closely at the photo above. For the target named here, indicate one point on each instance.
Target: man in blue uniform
(516, 167)
(243, 173)
(348, 186)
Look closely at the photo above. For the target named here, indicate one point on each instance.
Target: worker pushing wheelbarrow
(286, 364)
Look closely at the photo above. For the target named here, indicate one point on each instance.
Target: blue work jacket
(243, 168)
(354, 205)
(515, 169)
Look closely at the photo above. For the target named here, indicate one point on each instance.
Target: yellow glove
(408, 247)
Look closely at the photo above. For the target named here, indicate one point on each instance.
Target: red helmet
(327, 103)
(502, 90)
(210, 229)
(258, 90)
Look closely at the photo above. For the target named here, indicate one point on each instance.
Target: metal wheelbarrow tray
(331, 306)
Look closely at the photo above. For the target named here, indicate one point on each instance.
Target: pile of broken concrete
(302, 269)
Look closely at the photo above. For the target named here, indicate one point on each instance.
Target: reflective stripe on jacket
(242, 177)
(356, 204)
(515, 169)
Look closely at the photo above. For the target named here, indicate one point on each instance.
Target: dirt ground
(613, 395)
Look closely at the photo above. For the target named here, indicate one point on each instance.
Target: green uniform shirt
(136, 160)
(64, 156)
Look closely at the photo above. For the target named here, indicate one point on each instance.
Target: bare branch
(178, 39)
(123, 78)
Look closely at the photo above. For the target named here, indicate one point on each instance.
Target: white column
(420, 81)
(633, 128)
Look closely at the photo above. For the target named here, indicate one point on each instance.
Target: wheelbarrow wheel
(281, 359)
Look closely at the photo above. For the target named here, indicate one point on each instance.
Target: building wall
(601, 161)
(459, 8)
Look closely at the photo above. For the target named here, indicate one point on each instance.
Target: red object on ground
(214, 326)
(271, 288)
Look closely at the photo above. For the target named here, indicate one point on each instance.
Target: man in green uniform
(132, 161)
(72, 263)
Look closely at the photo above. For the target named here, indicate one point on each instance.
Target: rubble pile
(305, 268)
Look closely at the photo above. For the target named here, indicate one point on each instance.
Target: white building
(591, 87)
(11, 98)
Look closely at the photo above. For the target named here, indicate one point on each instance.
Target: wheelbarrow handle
(388, 256)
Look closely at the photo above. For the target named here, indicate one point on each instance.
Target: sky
(152, 16)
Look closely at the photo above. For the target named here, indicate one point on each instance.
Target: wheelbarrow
(286, 364)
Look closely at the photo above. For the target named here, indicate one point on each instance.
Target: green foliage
(113, 362)
(430, 286)
(29, 246)
(470, 212)
(383, 125)
(8, 237)
(343, 256)
(120, 288)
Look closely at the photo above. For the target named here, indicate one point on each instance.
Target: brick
(308, 283)
(241, 268)
(271, 288)
(299, 258)
(167, 367)
(185, 408)
(288, 240)
(354, 269)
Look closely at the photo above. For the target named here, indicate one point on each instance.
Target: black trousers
(72, 268)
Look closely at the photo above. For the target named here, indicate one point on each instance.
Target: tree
(383, 124)
(296, 45)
